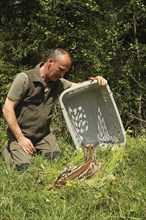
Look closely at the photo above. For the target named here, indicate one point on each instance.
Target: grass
(116, 192)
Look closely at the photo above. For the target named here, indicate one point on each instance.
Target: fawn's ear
(82, 146)
(86, 147)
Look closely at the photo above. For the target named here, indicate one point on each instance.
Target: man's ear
(51, 60)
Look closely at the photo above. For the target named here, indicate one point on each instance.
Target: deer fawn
(84, 171)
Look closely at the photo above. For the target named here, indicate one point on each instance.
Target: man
(28, 110)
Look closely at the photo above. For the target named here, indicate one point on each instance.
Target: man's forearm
(100, 80)
(11, 119)
(12, 122)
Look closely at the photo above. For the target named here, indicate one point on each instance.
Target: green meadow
(116, 192)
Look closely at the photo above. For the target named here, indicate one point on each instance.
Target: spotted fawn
(83, 171)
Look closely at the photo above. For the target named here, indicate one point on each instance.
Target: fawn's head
(89, 152)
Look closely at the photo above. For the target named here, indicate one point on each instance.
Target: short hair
(57, 52)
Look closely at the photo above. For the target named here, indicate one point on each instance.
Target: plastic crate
(91, 115)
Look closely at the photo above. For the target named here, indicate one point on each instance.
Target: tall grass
(116, 192)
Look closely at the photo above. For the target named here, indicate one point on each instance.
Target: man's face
(58, 67)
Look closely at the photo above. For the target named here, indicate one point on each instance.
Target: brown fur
(83, 171)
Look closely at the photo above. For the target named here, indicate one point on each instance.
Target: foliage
(104, 38)
(5, 80)
(116, 192)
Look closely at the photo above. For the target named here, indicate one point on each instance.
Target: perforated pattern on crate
(92, 115)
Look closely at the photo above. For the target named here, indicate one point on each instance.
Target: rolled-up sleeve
(18, 87)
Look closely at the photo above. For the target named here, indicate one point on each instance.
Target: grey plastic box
(91, 115)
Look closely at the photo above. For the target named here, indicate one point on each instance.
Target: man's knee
(21, 167)
(6, 156)
(48, 147)
(52, 155)
(16, 157)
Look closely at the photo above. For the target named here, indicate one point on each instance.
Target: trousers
(14, 155)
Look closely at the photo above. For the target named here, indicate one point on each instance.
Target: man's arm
(100, 80)
(10, 116)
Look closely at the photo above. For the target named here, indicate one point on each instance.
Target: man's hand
(10, 116)
(26, 145)
(101, 81)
